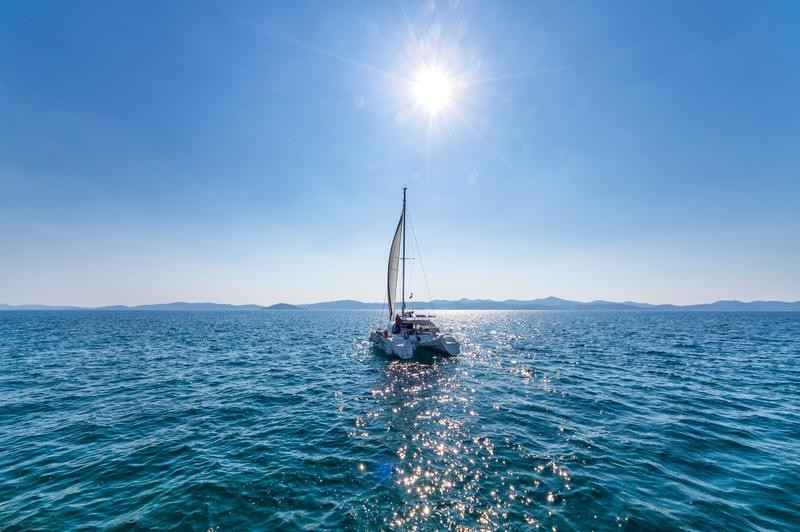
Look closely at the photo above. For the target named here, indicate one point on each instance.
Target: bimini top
(418, 321)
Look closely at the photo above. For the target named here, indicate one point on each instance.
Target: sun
(432, 89)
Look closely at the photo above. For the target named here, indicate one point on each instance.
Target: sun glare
(432, 89)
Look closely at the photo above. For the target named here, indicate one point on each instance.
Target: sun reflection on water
(447, 471)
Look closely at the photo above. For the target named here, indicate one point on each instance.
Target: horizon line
(376, 303)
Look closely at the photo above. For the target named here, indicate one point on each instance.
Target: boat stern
(450, 345)
(393, 344)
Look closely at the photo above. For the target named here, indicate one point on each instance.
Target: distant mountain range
(555, 303)
(158, 306)
(548, 303)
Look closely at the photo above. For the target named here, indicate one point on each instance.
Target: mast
(403, 307)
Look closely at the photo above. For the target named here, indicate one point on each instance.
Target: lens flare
(432, 89)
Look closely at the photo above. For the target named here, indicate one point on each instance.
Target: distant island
(548, 303)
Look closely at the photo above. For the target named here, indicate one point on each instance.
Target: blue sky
(255, 152)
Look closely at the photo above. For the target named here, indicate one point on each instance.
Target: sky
(255, 152)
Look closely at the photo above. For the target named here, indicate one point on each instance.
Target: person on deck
(397, 324)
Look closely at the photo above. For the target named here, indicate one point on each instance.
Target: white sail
(394, 266)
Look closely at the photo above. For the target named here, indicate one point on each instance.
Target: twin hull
(402, 346)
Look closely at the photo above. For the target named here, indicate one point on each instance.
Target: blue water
(267, 419)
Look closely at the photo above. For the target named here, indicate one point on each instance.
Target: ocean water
(289, 419)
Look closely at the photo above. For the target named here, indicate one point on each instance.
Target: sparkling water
(290, 419)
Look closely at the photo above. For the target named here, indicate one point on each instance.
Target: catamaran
(408, 330)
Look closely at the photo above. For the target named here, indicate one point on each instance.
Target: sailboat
(407, 331)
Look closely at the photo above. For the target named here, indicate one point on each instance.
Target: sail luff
(403, 258)
(394, 265)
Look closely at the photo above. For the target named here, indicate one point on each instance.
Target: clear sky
(255, 152)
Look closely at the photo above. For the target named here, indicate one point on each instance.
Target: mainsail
(394, 265)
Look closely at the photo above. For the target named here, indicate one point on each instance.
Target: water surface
(267, 419)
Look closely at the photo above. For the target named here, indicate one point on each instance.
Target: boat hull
(403, 346)
(394, 345)
(446, 345)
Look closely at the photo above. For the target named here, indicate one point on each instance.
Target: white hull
(403, 346)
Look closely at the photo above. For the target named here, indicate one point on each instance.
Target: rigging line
(411, 287)
(383, 309)
(422, 265)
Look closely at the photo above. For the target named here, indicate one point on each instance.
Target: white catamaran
(408, 331)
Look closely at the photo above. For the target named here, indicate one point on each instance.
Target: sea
(268, 420)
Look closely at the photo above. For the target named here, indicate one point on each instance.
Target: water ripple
(574, 420)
